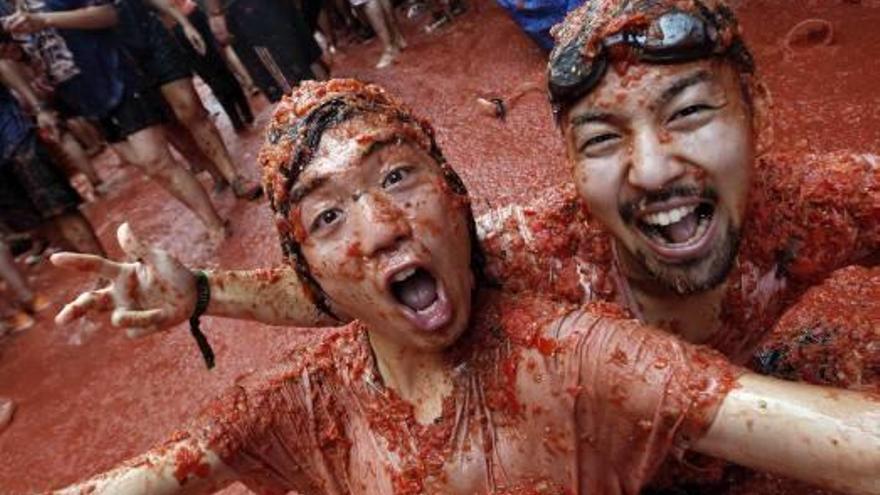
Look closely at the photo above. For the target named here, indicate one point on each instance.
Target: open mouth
(679, 230)
(421, 297)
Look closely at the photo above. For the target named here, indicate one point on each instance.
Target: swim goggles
(673, 37)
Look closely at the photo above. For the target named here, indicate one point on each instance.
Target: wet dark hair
(294, 135)
(579, 59)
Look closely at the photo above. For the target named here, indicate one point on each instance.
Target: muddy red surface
(89, 398)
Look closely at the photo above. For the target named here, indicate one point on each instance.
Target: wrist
(203, 298)
(44, 20)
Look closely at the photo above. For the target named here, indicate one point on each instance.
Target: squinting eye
(688, 111)
(325, 218)
(395, 176)
(595, 140)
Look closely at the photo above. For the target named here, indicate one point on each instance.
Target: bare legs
(16, 282)
(77, 233)
(188, 108)
(381, 16)
(148, 150)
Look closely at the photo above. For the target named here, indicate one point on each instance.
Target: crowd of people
(648, 359)
(78, 75)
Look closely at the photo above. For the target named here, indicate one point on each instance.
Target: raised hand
(151, 293)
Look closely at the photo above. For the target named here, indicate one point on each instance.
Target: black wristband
(203, 297)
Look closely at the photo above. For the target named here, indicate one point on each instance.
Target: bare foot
(7, 408)
(386, 59)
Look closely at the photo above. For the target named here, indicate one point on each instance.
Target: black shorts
(165, 62)
(33, 189)
(137, 111)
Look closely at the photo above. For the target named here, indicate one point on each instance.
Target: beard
(698, 275)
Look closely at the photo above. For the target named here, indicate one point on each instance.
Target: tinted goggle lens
(675, 36)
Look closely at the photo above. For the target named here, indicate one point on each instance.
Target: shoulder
(294, 388)
(813, 213)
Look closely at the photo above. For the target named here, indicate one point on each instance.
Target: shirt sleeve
(640, 393)
(278, 432)
(549, 245)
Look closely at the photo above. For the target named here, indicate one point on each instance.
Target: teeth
(403, 275)
(664, 218)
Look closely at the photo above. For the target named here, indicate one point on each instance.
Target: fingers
(88, 263)
(132, 246)
(99, 300)
(137, 319)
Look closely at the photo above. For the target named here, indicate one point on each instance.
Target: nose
(651, 164)
(384, 224)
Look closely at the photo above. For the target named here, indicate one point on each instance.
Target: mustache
(628, 210)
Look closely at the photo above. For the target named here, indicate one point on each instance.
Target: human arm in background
(101, 16)
(13, 78)
(195, 39)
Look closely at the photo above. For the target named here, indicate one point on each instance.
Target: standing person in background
(209, 63)
(380, 13)
(34, 194)
(271, 38)
(167, 69)
(93, 77)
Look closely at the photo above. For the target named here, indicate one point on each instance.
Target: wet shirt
(808, 215)
(545, 400)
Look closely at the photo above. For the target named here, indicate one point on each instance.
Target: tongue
(418, 291)
(682, 230)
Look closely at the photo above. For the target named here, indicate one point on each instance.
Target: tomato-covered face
(662, 156)
(385, 237)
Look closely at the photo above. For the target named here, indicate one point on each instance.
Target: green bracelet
(203, 297)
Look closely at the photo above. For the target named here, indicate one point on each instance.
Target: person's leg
(182, 141)
(148, 150)
(391, 22)
(16, 282)
(239, 70)
(75, 155)
(86, 133)
(376, 15)
(187, 107)
(77, 233)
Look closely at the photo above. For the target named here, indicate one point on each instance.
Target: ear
(762, 110)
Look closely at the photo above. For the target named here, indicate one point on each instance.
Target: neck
(421, 378)
(695, 317)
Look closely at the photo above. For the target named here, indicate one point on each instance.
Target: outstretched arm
(183, 467)
(820, 435)
(647, 392)
(93, 17)
(156, 291)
